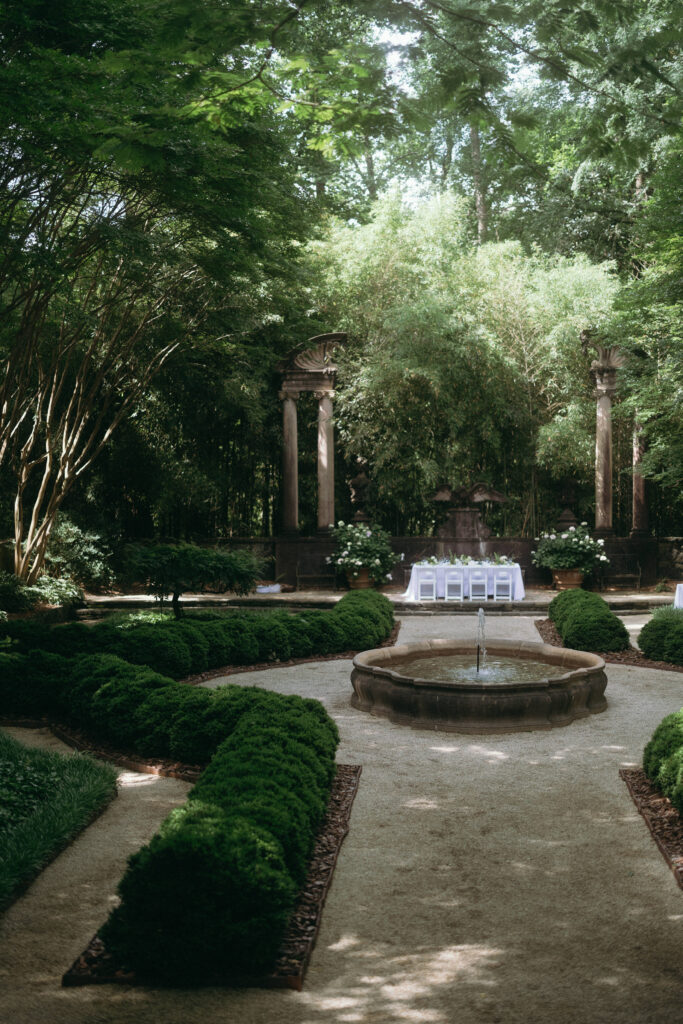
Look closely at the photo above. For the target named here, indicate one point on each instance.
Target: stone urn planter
(360, 582)
(567, 579)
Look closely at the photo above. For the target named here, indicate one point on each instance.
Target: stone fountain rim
(578, 663)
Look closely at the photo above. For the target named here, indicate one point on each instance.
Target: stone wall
(670, 558)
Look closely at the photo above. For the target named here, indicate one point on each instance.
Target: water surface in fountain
(462, 668)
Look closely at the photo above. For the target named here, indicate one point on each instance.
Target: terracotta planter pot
(361, 582)
(567, 579)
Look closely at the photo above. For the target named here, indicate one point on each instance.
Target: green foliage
(47, 799)
(567, 601)
(666, 739)
(233, 857)
(361, 545)
(79, 555)
(458, 356)
(55, 590)
(589, 628)
(661, 639)
(13, 594)
(574, 549)
(585, 622)
(173, 569)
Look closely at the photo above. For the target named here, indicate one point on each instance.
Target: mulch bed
(631, 656)
(232, 670)
(663, 820)
(95, 966)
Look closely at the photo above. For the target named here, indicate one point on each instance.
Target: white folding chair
(478, 586)
(426, 585)
(502, 586)
(454, 585)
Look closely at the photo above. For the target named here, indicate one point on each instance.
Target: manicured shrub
(208, 898)
(160, 646)
(662, 637)
(567, 601)
(272, 636)
(32, 684)
(113, 707)
(666, 739)
(210, 895)
(591, 629)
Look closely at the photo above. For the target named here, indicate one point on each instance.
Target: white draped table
(442, 568)
(678, 599)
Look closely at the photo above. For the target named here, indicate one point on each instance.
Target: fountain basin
(573, 687)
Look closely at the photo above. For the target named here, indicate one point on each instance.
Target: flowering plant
(361, 546)
(574, 549)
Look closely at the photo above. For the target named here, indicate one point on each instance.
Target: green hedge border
(209, 897)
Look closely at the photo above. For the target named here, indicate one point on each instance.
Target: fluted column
(325, 460)
(290, 462)
(605, 370)
(639, 522)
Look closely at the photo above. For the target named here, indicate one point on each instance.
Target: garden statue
(464, 520)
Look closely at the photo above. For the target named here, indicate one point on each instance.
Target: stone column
(290, 462)
(325, 460)
(605, 370)
(639, 523)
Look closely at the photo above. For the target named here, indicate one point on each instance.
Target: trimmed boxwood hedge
(585, 622)
(208, 898)
(361, 619)
(663, 758)
(662, 637)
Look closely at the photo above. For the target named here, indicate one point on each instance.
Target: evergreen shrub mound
(585, 622)
(663, 758)
(178, 648)
(662, 637)
(591, 629)
(567, 601)
(208, 898)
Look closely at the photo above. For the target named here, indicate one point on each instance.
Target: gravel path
(496, 879)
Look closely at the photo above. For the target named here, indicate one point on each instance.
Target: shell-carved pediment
(319, 356)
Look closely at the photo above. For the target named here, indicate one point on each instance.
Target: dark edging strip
(95, 966)
(661, 818)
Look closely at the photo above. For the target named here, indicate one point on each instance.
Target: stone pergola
(310, 370)
(604, 369)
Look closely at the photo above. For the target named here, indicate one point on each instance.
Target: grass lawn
(45, 800)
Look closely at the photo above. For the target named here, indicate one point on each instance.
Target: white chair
(454, 585)
(502, 586)
(426, 585)
(478, 586)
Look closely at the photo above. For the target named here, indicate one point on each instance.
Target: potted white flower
(569, 555)
(363, 552)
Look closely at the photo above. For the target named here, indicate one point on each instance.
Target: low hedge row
(663, 758)
(662, 637)
(362, 619)
(585, 622)
(208, 898)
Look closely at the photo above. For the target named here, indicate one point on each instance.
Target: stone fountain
(446, 685)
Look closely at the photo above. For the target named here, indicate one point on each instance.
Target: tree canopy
(188, 191)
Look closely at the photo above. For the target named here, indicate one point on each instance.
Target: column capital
(324, 394)
(283, 395)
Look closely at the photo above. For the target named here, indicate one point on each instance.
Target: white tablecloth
(678, 599)
(443, 568)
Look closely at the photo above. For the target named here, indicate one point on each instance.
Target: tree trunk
(479, 187)
(370, 178)
(176, 605)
